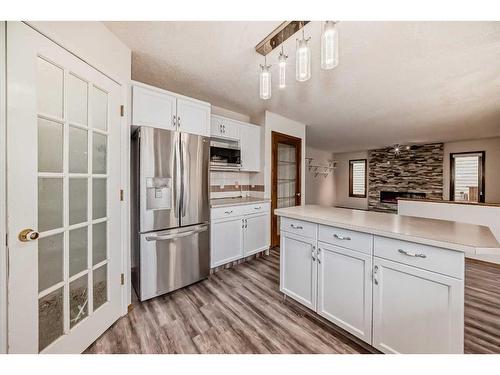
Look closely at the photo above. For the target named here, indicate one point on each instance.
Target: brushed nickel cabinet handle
(410, 254)
(296, 226)
(339, 237)
(228, 212)
(375, 280)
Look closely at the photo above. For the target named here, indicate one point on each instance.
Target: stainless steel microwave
(225, 154)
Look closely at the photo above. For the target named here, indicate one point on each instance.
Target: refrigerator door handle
(178, 172)
(176, 235)
(186, 170)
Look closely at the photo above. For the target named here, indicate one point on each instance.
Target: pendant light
(329, 46)
(303, 59)
(282, 68)
(265, 81)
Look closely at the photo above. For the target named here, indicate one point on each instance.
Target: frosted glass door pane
(99, 109)
(77, 251)
(49, 80)
(78, 150)
(99, 243)
(78, 300)
(77, 100)
(98, 198)
(50, 203)
(77, 200)
(50, 261)
(50, 146)
(100, 286)
(50, 318)
(99, 152)
(287, 169)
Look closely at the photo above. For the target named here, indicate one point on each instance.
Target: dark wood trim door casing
(482, 164)
(351, 194)
(297, 143)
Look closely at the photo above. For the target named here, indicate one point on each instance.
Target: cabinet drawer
(446, 262)
(302, 228)
(223, 212)
(256, 208)
(346, 238)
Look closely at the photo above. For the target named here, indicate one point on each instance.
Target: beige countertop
(449, 202)
(468, 238)
(226, 202)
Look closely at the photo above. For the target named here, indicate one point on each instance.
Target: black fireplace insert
(392, 196)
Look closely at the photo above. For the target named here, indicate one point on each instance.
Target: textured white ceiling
(396, 82)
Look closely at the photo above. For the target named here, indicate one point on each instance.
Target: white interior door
(63, 143)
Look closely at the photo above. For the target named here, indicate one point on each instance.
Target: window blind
(358, 177)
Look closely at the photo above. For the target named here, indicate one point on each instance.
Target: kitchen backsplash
(233, 184)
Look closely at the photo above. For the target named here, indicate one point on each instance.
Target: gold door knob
(27, 235)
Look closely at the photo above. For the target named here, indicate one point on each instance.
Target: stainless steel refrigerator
(170, 213)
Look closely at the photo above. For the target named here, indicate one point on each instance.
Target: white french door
(63, 174)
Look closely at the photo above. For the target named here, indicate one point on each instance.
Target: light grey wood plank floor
(241, 310)
(237, 310)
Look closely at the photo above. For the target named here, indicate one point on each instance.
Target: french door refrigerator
(171, 246)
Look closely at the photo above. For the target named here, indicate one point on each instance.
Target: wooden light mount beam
(278, 36)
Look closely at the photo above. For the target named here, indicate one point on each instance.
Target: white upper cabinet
(222, 127)
(159, 108)
(247, 134)
(250, 148)
(193, 117)
(153, 108)
(416, 311)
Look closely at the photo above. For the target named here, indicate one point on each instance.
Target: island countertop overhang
(468, 238)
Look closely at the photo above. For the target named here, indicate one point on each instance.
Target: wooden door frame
(297, 143)
(481, 177)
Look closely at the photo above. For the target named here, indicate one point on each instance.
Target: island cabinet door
(298, 268)
(416, 311)
(345, 289)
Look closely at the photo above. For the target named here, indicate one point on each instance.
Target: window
(467, 176)
(357, 178)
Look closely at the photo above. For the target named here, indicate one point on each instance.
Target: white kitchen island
(396, 282)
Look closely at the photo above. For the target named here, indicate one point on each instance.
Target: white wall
(280, 124)
(3, 224)
(319, 189)
(492, 165)
(341, 178)
(230, 114)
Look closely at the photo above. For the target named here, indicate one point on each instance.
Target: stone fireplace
(416, 172)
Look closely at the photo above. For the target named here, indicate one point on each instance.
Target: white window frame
(351, 178)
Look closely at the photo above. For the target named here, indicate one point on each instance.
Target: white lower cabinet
(345, 289)
(226, 241)
(397, 305)
(256, 236)
(236, 234)
(416, 311)
(298, 268)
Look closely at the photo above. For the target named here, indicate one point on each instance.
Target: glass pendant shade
(265, 82)
(329, 46)
(282, 69)
(303, 60)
